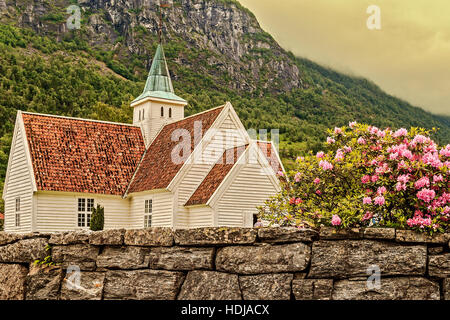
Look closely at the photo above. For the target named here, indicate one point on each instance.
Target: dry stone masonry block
(82, 255)
(407, 288)
(379, 233)
(142, 285)
(124, 258)
(215, 236)
(151, 237)
(12, 281)
(71, 237)
(412, 236)
(43, 283)
(263, 259)
(24, 251)
(439, 266)
(312, 289)
(352, 258)
(280, 235)
(90, 287)
(182, 258)
(107, 237)
(446, 288)
(210, 285)
(266, 286)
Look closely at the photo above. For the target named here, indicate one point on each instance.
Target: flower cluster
(368, 176)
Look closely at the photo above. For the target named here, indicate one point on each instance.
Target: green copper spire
(159, 84)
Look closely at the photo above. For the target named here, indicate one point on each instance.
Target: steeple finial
(159, 83)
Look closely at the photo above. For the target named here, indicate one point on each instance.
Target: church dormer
(158, 104)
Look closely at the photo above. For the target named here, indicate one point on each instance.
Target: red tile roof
(75, 155)
(220, 170)
(215, 177)
(157, 169)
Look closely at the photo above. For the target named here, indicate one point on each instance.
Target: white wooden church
(163, 170)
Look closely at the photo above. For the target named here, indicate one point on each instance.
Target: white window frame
(17, 212)
(84, 212)
(148, 213)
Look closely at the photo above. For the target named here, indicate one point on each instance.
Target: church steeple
(159, 83)
(158, 105)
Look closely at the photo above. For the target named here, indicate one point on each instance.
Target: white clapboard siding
(212, 152)
(19, 185)
(117, 211)
(57, 211)
(201, 217)
(249, 189)
(162, 215)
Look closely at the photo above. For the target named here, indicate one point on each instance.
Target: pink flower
(379, 200)
(381, 190)
(335, 220)
(445, 152)
(419, 139)
(298, 177)
(300, 159)
(318, 192)
(280, 173)
(347, 149)
(374, 178)
(393, 156)
(320, 154)
(418, 221)
(404, 178)
(367, 200)
(365, 179)
(400, 186)
(298, 201)
(407, 154)
(400, 132)
(339, 156)
(352, 124)
(426, 195)
(292, 200)
(361, 140)
(316, 180)
(438, 178)
(337, 130)
(367, 216)
(330, 140)
(424, 181)
(325, 165)
(402, 165)
(373, 130)
(381, 134)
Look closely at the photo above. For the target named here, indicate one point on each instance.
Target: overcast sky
(409, 57)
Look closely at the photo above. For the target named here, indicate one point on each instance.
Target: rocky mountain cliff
(223, 33)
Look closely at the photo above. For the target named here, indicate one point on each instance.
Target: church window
(85, 207)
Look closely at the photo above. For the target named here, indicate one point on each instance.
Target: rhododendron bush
(368, 177)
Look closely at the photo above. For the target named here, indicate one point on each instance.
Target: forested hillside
(216, 52)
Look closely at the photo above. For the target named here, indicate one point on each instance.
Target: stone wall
(226, 263)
